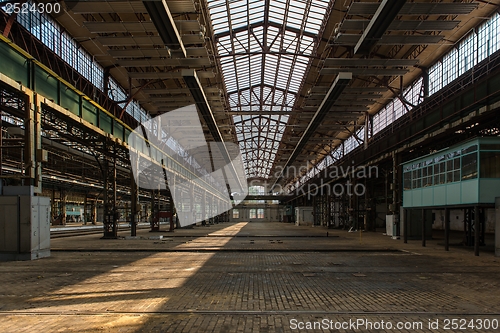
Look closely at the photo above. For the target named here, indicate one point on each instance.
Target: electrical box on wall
(42, 155)
(25, 226)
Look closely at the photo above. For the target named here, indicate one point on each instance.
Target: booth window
(427, 176)
(416, 179)
(469, 166)
(453, 170)
(407, 180)
(490, 164)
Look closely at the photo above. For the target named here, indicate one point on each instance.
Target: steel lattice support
(134, 198)
(110, 222)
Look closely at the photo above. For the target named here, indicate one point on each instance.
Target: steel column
(134, 203)
(29, 140)
(85, 209)
(110, 222)
(155, 210)
(172, 222)
(423, 227)
(94, 212)
(405, 224)
(63, 206)
(477, 225)
(446, 229)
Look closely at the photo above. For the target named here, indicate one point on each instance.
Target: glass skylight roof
(264, 52)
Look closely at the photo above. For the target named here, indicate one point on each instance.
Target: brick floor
(256, 277)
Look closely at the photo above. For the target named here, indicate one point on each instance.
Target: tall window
(436, 77)
(469, 166)
(453, 170)
(236, 214)
(490, 164)
(260, 213)
(49, 32)
(467, 54)
(252, 213)
(256, 190)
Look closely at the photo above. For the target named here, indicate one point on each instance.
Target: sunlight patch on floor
(142, 285)
(214, 242)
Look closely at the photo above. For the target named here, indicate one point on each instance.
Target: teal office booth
(465, 176)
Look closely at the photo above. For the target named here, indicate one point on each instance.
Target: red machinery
(155, 224)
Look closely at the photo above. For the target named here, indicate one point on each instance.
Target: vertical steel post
(423, 227)
(405, 225)
(94, 212)
(476, 230)
(85, 208)
(152, 219)
(446, 229)
(63, 207)
(172, 221)
(134, 203)
(37, 148)
(110, 223)
(29, 139)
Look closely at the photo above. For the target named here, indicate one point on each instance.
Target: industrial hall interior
(250, 166)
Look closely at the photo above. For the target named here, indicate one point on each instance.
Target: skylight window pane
(272, 88)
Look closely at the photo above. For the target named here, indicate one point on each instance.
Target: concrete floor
(251, 277)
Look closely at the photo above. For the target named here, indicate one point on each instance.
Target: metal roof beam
(196, 89)
(333, 94)
(383, 17)
(331, 62)
(411, 25)
(353, 39)
(167, 75)
(165, 25)
(176, 91)
(365, 71)
(182, 62)
(444, 8)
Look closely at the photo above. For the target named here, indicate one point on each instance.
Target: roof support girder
(385, 14)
